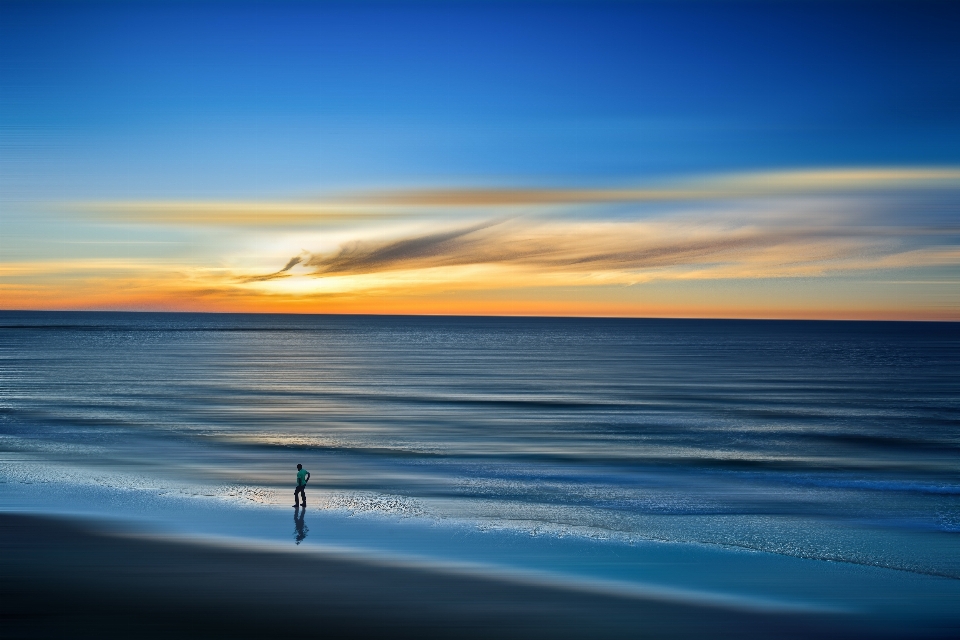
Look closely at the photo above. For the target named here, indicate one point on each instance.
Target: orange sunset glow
(807, 244)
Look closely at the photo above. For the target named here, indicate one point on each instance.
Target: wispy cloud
(384, 205)
(745, 185)
(291, 263)
(468, 245)
(229, 213)
(730, 245)
(524, 250)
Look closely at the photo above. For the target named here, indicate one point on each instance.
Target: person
(303, 476)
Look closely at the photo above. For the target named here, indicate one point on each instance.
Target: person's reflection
(300, 529)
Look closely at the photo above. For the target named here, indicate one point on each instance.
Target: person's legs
(299, 490)
(303, 495)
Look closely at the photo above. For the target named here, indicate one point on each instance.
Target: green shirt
(302, 477)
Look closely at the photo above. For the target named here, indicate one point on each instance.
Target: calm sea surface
(825, 440)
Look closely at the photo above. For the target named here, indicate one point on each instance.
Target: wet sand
(69, 578)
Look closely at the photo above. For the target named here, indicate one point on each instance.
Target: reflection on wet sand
(300, 529)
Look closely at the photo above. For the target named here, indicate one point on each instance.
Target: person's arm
(307, 479)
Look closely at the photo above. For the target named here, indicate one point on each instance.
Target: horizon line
(486, 316)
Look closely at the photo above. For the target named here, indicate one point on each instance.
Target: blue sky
(229, 102)
(140, 97)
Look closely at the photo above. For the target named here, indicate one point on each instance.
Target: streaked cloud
(231, 213)
(627, 252)
(377, 206)
(745, 185)
(694, 247)
(291, 263)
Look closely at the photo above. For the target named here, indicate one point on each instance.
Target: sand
(70, 578)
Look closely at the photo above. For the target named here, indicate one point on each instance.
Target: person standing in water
(303, 476)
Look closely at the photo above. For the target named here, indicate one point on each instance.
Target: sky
(644, 159)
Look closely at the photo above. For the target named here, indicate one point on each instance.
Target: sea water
(792, 463)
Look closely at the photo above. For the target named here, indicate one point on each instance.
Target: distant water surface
(824, 440)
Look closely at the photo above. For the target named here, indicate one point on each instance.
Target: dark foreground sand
(64, 578)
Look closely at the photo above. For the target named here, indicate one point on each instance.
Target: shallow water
(818, 440)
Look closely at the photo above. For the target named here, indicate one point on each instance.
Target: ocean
(784, 462)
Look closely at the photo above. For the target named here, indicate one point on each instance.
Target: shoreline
(62, 576)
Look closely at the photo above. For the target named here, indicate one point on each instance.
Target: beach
(79, 579)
